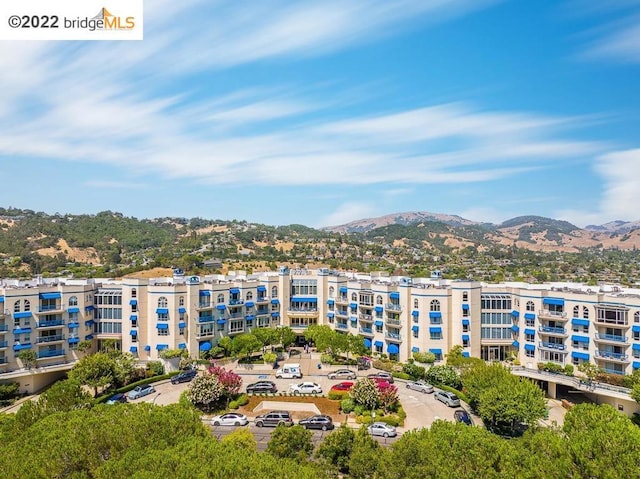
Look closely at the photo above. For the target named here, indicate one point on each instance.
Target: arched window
(134, 293)
(585, 312)
(274, 292)
(220, 298)
(465, 296)
(27, 305)
(531, 306)
(162, 302)
(415, 304)
(16, 307)
(576, 311)
(249, 296)
(73, 301)
(332, 291)
(636, 317)
(378, 299)
(434, 305)
(181, 301)
(354, 297)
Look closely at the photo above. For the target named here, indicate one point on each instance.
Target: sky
(324, 112)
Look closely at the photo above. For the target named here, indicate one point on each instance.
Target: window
(530, 306)
(378, 349)
(636, 317)
(434, 305)
(134, 323)
(636, 335)
(354, 297)
(163, 332)
(332, 291)
(495, 301)
(415, 334)
(580, 345)
(576, 311)
(378, 299)
(516, 303)
(585, 312)
(465, 343)
(531, 338)
(73, 301)
(16, 307)
(530, 354)
(378, 328)
(580, 329)
(435, 336)
(465, 328)
(415, 304)
(465, 313)
(249, 296)
(529, 322)
(181, 301)
(134, 293)
(134, 339)
(162, 302)
(27, 305)
(274, 292)
(163, 317)
(220, 299)
(465, 296)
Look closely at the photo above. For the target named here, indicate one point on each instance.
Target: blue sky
(322, 112)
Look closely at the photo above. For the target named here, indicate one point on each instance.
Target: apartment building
(397, 316)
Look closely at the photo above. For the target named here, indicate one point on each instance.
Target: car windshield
(454, 397)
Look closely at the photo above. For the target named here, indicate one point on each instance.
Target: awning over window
(133, 349)
(415, 328)
(221, 307)
(133, 317)
(275, 314)
(635, 328)
(133, 302)
(73, 310)
(205, 346)
(580, 322)
(162, 311)
(24, 314)
(515, 313)
(636, 347)
(378, 323)
(182, 346)
(516, 344)
(249, 317)
(147, 348)
(20, 347)
(378, 344)
(89, 308)
(579, 355)
(367, 343)
(50, 296)
(204, 292)
(353, 305)
(529, 316)
(465, 307)
(435, 350)
(379, 309)
(553, 301)
(133, 332)
(182, 310)
(529, 347)
(73, 325)
(530, 331)
(415, 349)
(515, 328)
(162, 326)
(465, 354)
(89, 322)
(275, 301)
(394, 295)
(580, 339)
(234, 290)
(636, 365)
(182, 324)
(465, 322)
(415, 313)
(261, 289)
(393, 349)
(465, 337)
(88, 337)
(1, 299)
(73, 340)
(353, 319)
(331, 302)
(21, 330)
(221, 321)
(343, 289)
(249, 304)
(435, 330)
(435, 314)
(161, 347)
(330, 315)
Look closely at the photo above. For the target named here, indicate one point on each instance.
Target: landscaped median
(151, 380)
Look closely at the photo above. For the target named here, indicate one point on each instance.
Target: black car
(116, 398)
(262, 387)
(323, 423)
(184, 376)
(462, 416)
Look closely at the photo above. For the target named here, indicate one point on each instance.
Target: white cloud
(347, 212)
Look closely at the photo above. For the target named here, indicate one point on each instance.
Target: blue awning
(182, 310)
(261, 289)
(275, 314)
(580, 322)
(221, 321)
(73, 310)
(636, 347)
(205, 346)
(21, 330)
(249, 317)
(133, 317)
(553, 301)
(89, 322)
(580, 339)
(394, 295)
(465, 307)
(636, 365)
(515, 328)
(147, 348)
(367, 343)
(578, 355)
(635, 328)
(415, 313)
(204, 292)
(435, 350)
(415, 328)
(415, 349)
(393, 349)
(529, 316)
(249, 304)
(133, 302)
(516, 344)
(529, 347)
(343, 289)
(275, 301)
(530, 331)
(50, 296)
(160, 347)
(73, 340)
(1, 299)
(378, 344)
(221, 307)
(133, 332)
(91, 307)
(353, 319)
(182, 324)
(331, 302)
(162, 325)
(234, 290)
(379, 309)
(465, 322)
(435, 329)
(20, 347)
(435, 314)
(182, 346)
(88, 337)
(24, 314)
(73, 325)
(133, 349)
(353, 305)
(515, 313)
(330, 315)
(378, 323)
(465, 337)
(465, 354)
(162, 311)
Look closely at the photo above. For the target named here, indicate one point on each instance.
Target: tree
(388, 398)
(365, 392)
(364, 457)
(28, 358)
(336, 448)
(589, 369)
(8, 391)
(635, 393)
(84, 346)
(205, 390)
(245, 344)
(95, 371)
(286, 336)
(321, 335)
(225, 344)
(292, 442)
(230, 381)
(445, 375)
(266, 336)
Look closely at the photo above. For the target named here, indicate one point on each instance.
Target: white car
(382, 429)
(420, 386)
(305, 388)
(230, 419)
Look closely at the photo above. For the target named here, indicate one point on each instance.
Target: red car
(343, 386)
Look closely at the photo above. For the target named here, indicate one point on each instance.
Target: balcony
(202, 306)
(342, 300)
(50, 339)
(393, 337)
(552, 331)
(52, 308)
(366, 331)
(344, 314)
(610, 338)
(206, 319)
(393, 307)
(4, 344)
(205, 333)
(557, 315)
(236, 302)
(51, 324)
(366, 317)
(303, 312)
(611, 356)
(3, 328)
(236, 331)
(394, 322)
(342, 326)
(613, 322)
(552, 346)
(236, 316)
(262, 299)
(299, 326)
(50, 354)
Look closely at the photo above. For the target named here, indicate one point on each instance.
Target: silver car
(420, 386)
(140, 391)
(230, 419)
(342, 374)
(382, 429)
(448, 398)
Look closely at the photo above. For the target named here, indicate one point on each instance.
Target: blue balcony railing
(50, 307)
(342, 325)
(552, 330)
(50, 354)
(236, 302)
(603, 354)
(546, 345)
(4, 344)
(205, 319)
(394, 336)
(51, 323)
(611, 337)
(366, 330)
(50, 339)
(205, 305)
(4, 328)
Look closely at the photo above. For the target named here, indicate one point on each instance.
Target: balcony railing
(394, 322)
(366, 330)
(611, 337)
(4, 344)
(206, 319)
(205, 306)
(393, 307)
(554, 346)
(552, 330)
(236, 302)
(236, 316)
(262, 299)
(51, 324)
(554, 314)
(236, 330)
(50, 354)
(342, 325)
(366, 317)
(4, 328)
(299, 326)
(612, 322)
(342, 300)
(393, 336)
(603, 354)
(49, 308)
(342, 313)
(50, 339)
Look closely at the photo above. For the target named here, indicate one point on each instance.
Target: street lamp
(154, 399)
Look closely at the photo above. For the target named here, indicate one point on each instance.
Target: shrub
(173, 353)
(338, 395)
(234, 405)
(425, 358)
(347, 405)
(269, 358)
(414, 371)
(358, 410)
(156, 368)
(613, 379)
(391, 420)
(243, 400)
(568, 369)
(551, 367)
(446, 375)
(401, 376)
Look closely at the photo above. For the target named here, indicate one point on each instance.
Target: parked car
(116, 398)
(184, 376)
(274, 418)
(230, 419)
(321, 422)
(262, 387)
(382, 375)
(140, 391)
(305, 388)
(343, 386)
(448, 398)
(382, 429)
(462, 416)
(342, 374)
(364, 363)
(420, 386)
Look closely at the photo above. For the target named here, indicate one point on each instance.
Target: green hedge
(129, 387)
(401, 376)
(338, 395)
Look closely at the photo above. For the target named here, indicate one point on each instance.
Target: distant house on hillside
(213, 263)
